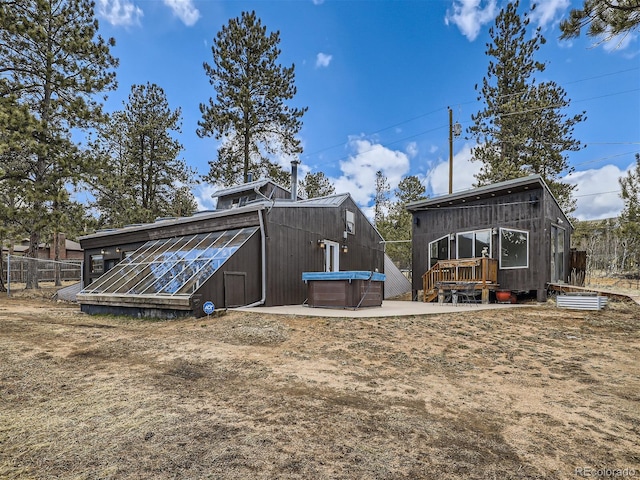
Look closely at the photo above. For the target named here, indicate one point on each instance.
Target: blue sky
(378, 78)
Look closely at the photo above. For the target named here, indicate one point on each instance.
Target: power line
(604, 158)
(466, 122)
(424, 132)
(445, 126)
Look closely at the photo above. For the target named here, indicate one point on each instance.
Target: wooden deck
(451, 274)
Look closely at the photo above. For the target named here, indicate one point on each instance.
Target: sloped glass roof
(171, 266)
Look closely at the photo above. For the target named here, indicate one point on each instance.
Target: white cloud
(464, 172)
(184, 10)
(317, 2)
(359, 170)
(597, 193)
(412, 150)
(202, 194)
(547, 11)
(120, 12)
(470, 15)
(618, 42)
(323, 60)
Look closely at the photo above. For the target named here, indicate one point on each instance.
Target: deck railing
(483, 271)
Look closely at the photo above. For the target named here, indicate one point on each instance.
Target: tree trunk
(3, 288)
(32, 269)
(56, 257)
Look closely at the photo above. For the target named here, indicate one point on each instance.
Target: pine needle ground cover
(532, 392)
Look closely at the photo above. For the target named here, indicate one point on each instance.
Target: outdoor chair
(467, 293)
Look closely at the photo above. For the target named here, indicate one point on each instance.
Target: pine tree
(315, 185)
(53, 62)
(606, 18)
(137, 174)
(629, 230)
(249, 115)
(381, 198)
(522, 129)
(396, 227)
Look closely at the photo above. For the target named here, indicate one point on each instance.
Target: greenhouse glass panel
(163, 264)
(177, 266)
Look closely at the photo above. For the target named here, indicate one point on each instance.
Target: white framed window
(514, 248)
(350, 218)
(472, 244)
(439, 250)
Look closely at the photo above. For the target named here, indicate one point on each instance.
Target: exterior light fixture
(118, 250)
(103, 252)
(321, 244)
(345, 249)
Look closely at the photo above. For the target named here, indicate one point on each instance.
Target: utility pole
(454, 130)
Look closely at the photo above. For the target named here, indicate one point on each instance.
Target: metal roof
(246, 187)
(328, 201)
(478, 193)
(196, 217)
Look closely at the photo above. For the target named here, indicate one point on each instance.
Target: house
(251, 250)
(68, 249)
(511, 235)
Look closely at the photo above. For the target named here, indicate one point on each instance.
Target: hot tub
(351, 289)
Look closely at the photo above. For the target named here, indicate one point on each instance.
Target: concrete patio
(389, 308)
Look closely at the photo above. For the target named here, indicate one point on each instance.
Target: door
(439, 250)
(235, 285)
(331, 256)
(557, 254)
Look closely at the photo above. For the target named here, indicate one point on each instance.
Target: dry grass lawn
(532, 392)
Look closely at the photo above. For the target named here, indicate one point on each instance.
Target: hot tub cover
(348, 275)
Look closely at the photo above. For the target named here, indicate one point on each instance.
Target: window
(351, 222)
(514, 248)
(97, 264)
(472, 244)
(557, 254)
(439, 250)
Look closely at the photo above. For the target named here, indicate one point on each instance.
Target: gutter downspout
(263, 252)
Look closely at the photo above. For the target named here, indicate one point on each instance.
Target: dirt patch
(533, 392)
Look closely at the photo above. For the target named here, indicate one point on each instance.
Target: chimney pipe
(294, 179)
(249, 177)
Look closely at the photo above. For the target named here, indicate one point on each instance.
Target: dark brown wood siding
(292, 234)
(245, 260)
(292, 247)
(517, 210)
